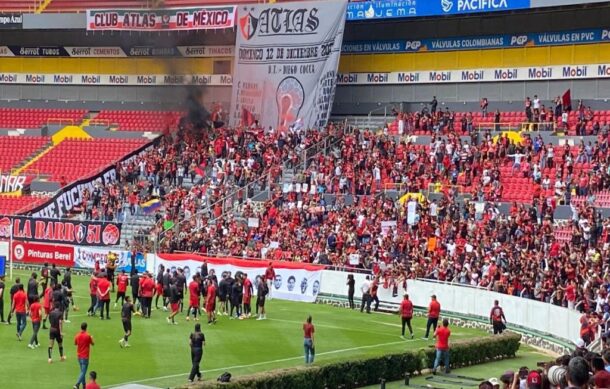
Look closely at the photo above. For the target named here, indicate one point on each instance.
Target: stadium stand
(16, 149)
(76, 158)
(19, 204)
(140, 120)
(37, 117)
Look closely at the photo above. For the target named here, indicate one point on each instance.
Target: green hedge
(362, 372)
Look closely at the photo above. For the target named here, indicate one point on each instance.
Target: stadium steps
(133, 225)
(43, 5)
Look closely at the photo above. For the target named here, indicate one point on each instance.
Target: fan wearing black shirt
(197, 342)
(166, 280)
(237, 290)
(263, 290)
(56, 332)
(32, 288)
(126, 312)
(159, 285)
(12, 292)
(180, 285)
(44, 274)
(174, 302)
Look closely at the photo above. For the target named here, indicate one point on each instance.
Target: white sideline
(256, 364)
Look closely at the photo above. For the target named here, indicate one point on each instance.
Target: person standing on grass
(159, 286)
(197, 342)
(47, 304)
(210, 302)
(32, 288)
(83, 342)
(194, 298)
(92, 381)
(2, 287)
(406, 314)
(174, 302)
(122, 283)
(373, 296)
(103, 296)
(147, 290)
(442, 335)
(93, 294)
(44, 275)
(36, 316)
(126, 311)
(55, 273)
(308, 342)
(263, 291)
(366, 296)
(11, 293)
(247, 297)
(269, 277)
(56, 332)
(434, 311)
(135, 288)
(350, 290)
(19, 308)
(497, 318)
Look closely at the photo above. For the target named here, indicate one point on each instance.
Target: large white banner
(293, 281)
(286, 62)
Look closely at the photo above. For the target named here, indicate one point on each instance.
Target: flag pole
(10, 251)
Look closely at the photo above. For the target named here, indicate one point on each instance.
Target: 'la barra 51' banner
(286, 63)
(195, 18)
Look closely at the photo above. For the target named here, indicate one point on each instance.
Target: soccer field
(160, 355)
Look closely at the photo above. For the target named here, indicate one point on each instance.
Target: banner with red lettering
(293, 281)
(167, 19)
(40, 253)
(74, 232)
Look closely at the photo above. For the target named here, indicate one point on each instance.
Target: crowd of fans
(337, 209)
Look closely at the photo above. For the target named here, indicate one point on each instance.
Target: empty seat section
(15, 149)
(37, 117)
(10, 204)
(73, 159)
(155, 121)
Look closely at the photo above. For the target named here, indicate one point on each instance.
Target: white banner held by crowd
(286, 62)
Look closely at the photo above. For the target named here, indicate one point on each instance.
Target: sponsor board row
(116, 79)
(116, 51)
(478, 75)
(34, 253)
(478, 42)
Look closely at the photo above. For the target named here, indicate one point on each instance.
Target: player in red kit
(269, 277)
(210, 303)
(122, 283)
(48, 299)
(406, 314)
(194, 298)
(247, 296)
(434, 311)
(36, 316)
(93, 295)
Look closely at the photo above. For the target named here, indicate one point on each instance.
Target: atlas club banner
(293, 281)
(40, 253)
(86, 233)
(167, 19)
(286, 60)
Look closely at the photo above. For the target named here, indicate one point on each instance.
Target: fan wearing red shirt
(210, 302)
(36, 316)
(442, 346)
(147, 290)
(19, 309)
(406, 314)
(122, 283)
(247, 296)
(103, 296)
(497, 318)
(194, 298)
(92, 381)
(92, 294)
(434, 311)
(83, 342)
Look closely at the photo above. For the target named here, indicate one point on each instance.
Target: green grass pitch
(160, 354)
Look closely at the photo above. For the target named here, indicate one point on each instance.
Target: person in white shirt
(536, 102)
(365, 288)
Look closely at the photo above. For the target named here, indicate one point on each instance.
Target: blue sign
(478, 42)
(371, 10)
(2, 266)
(140, 263)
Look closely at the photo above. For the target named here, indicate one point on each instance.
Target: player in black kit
(126, 312)
(56, 332)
